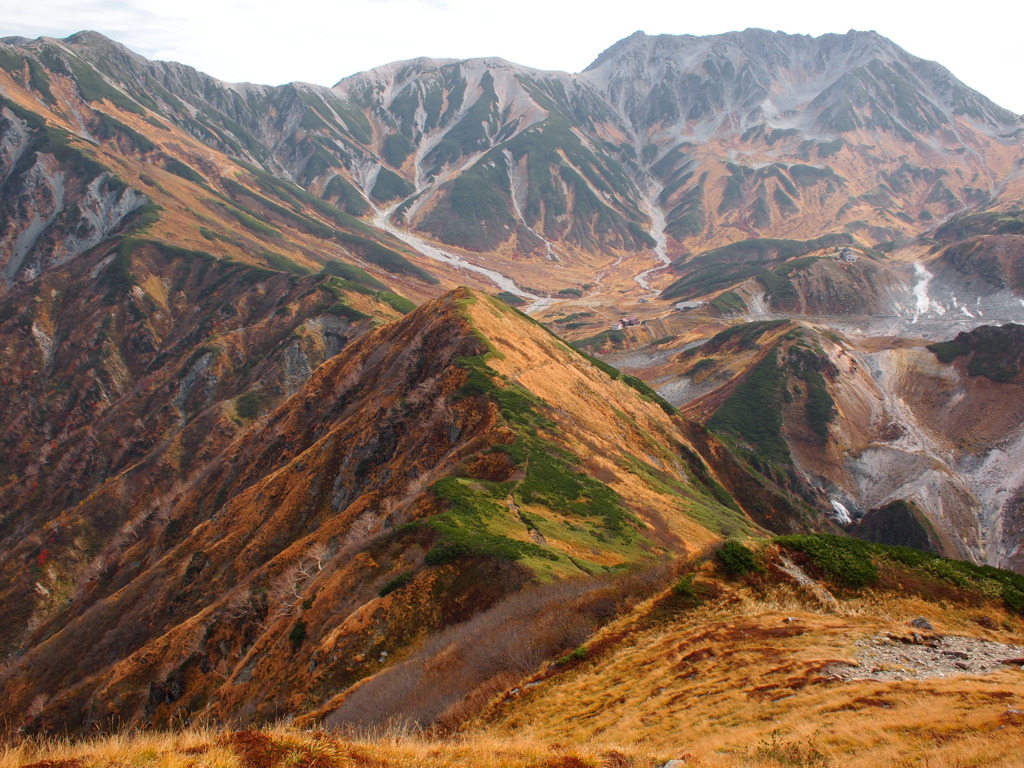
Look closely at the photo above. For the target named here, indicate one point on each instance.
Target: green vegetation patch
(397, 302)
(111, 128)
(398, 582)
(250, 405)
(753, 413)
(480, 519)
(846, 561)
(743, 336)
(705, 500)
(551, 480)
(736, 559)
(352, 273)
(474, 211)
(40, 81)
(729, 303)
(648, 394)
(995, 352)
(854, 563)
(476, 523)
(611, 338)
(187, 172)
(809, 365)
(390, 186)
(11, 60)
(346, 196)
(730, 264)
(93, 87)
(117, 277)
(282, 263)
(511, 299)
(968, 225)
(384, 257)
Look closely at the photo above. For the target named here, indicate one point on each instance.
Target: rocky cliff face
(55, 202)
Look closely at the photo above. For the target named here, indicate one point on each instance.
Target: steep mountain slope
(900, 442)
(432, 467)
(537, 182)
(125, 372)
(81, 157)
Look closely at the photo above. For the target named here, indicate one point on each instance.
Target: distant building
(628, 322)
(848, 255)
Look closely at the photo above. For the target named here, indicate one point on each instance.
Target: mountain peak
(90, 37)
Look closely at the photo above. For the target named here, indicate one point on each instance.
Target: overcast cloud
(270, 41)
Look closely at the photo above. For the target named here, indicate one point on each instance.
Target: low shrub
(684, 588)
(298, 633)
(446, 553)
(736, 559)
(846, 561)
(578, 655)
(396, 583)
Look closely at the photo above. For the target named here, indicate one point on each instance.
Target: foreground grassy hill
(799, 651)
(435, 466)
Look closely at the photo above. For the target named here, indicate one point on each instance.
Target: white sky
(277, 41)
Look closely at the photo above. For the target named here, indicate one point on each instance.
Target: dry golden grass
(735, 683)
(191, 748)
(740, 682)
(287, 748)
(281, 747)
(598, 418)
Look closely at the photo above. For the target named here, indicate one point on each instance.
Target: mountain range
(296, 381)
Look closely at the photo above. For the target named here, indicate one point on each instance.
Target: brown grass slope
(757, 669)
(126, 371)
(464, 449)
(747, 671)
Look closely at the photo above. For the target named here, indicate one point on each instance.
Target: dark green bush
(578, 655)
(684, 587)
(736, 559)
(1014, 599)
(845, 560)
(250, 405)
(396, 583)
(298, 633)
(443, 554)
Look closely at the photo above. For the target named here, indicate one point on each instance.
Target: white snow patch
(842, 515)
